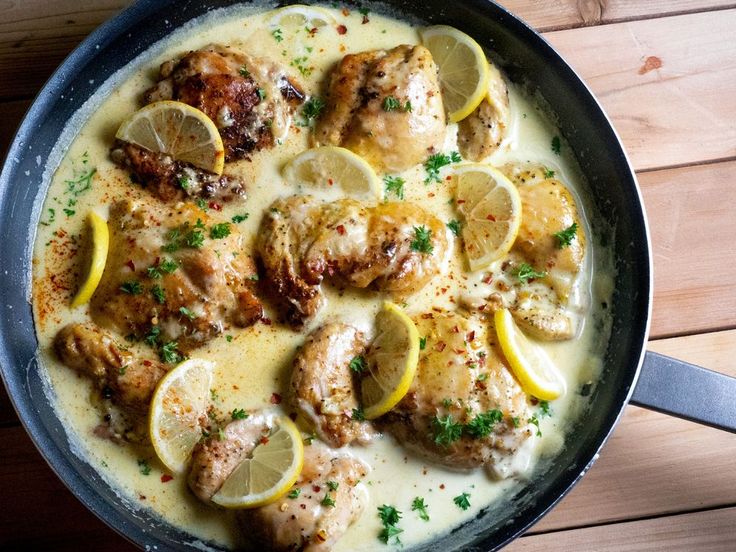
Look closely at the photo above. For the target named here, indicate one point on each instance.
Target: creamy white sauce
(257, 362)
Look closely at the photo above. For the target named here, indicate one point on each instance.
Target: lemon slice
(180, 400)
(535, 371)
(331, 167)
(176, 129)
(299, 16)
(100, 245)
(491, 207)
(392, 361)
(463, 69)
(269, 473)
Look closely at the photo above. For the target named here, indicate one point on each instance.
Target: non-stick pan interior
(612, 187)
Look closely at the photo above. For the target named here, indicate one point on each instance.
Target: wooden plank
(692, 221)
(39, 513)
(712, 531)
(666, 83)
(11, 114)
(36, 35)
(656, 464)
(8, 417)
(547, 15)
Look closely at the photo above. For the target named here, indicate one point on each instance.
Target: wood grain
(680, 113)
(712, 531)
(656, 464)
(546, 15)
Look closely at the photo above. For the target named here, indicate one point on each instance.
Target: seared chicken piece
(385, 106)
(463, 378)
(302, 238)
(481, 133)
(307, 523)
(215, 458)
(323, 386)
(251, 100)
(172, 180)
(128, 382)
(173, 276)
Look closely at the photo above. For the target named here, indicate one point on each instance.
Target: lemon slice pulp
(491, 207)
(180, 400)
(392, 361)
(176, 129)
(463, 69)
(100, 245)
(299, 16)
(531, 365)
(337, 168)
(269, 473)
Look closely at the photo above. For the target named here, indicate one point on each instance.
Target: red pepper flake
(316, 488)
(459, 351)
(215, 206)
(442, 486)
(165, 478)
(264, 440)
(342, 29)
(275, 398)
(330, 181)
(455, 329)
(448, 177)
(313, 31)
(488, 279)
(459, 201)
(147, 363)
(480, 385)
(142, 497)
(266, 321)
(534, 400)
(340, 229)
(482, 308)
(130, 264)
(470, 336)
(365, 20)
(440, 346)
(491, 218)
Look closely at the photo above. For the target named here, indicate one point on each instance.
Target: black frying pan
(663, 384)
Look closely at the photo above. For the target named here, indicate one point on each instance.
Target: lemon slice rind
(100, 246)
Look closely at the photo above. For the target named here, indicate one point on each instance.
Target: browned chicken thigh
(323, 385)
(309, 523)
(396, 247)
(385, 106)
(174, 277)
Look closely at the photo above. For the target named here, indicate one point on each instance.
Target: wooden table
(665, 71)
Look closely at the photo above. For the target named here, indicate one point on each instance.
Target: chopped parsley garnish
(565, 237)
(422, 343)
(219, 231)
(446, 430)
(202, 204)
(526, 272)
(167, 266)
(515, 421)
(358, 414)
(132, 287)
(422, 240)
(300, 64)
(244, 71)
(462, 501)
(390, 517)
(229, 338)
(294, 493)
(194, 239)
(238, 414)
(213, 395)
(188, 313)
(152, 336)
(158, 294)
(364, 11)
(556, 145)
(169, 354)
(544, 408)
(447, 402)
(482, 425)
(435, 162)
(143, 466)
(261, 94)
(240, 218)
(183, 183)
(390, 103)
(454, 226)
(358, 364)
(333, 485)
(394, 185)
(52, 217)
(548, 173)
(535, 421)
(312, 109)
(407, 106)
(328, 501)
(277, 35)
(418, 505)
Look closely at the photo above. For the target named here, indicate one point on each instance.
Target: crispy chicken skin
(483, 131)
(323, 386)
(305, 524)
(357, 116)
(302, 238)
(459, 350)
(166, 271)
(251, 100)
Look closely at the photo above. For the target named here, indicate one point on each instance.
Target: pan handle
(686, 391)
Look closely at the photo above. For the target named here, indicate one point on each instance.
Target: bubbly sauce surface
(254, 364)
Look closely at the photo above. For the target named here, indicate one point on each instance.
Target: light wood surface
(661, 483)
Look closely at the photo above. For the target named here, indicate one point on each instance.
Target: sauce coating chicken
(128, 382)
(464, 408)
(173, 276)
(308, 523)
(323, 386)
(302, 238)
(385, 106)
